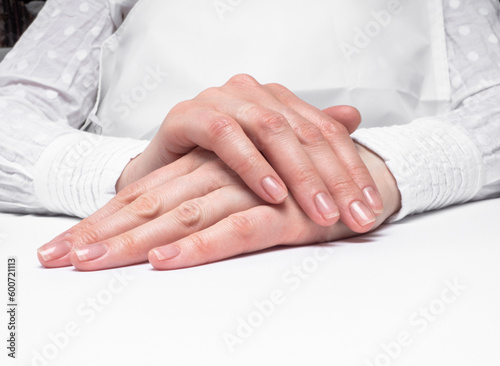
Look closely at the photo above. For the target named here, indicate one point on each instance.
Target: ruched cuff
(77, 173)
(435, 164)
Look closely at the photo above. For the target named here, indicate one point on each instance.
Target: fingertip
(327, 209)
(362, 218)
(275, 190)
(330, 220)
(153, 259)
(54, 254)
(347, 115)
(93, 257)
(161, 257)
(374, 199)
(73, 258)
(58, 263)
(353, 114)
(79, 264)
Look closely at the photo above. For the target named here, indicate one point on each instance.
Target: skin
(274, 141)
(196, 211)
(198, 193)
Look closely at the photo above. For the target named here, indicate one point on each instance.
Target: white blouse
(48, 86)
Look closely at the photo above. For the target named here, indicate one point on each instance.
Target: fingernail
(54, 250)
(326, 206)
(168, 252)
(362, 214)
(374, 199)
(90, 252)
(274, 189)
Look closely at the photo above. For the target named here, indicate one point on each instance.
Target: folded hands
(216, 180)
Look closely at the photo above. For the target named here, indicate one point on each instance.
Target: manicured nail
(166, 253)
(90, 252)
(54, 250)
(362, 214)
(374, 199)
(326, 206)
(274, 189)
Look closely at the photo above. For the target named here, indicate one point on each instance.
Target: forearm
(48, 85)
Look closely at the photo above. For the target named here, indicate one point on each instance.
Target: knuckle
(247, 165)
(334, 129)
(281, 92)
(243, 80)
(272, 122)
(308, 134)
(200, 245)
(244, 227)
(86, 236)
(304, 175)
(219, 128)
(341, 186)
(147, 206)
(356, 170)
(209, 93)
(181, 108)
(128, 194)
(269, 124)
(128, 244)
(190, 214)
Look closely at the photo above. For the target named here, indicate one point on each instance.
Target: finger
(274, 134)
(310, 168)
(220, 133)
(153, 204)
(55, 253)
(144, 208)
(247, 231)
(191, 216)
(311, 183)
(257, 228)
(271, 132)
(348, 198)
(345, 114)
(343, 147)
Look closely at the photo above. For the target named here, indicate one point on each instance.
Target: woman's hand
(307, 150)
(194, 211)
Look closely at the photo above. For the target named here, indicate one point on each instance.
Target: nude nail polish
(374, 199)
(54, 250)
(274, 189)
(166, 253)
(361, 213)
(326, 206)
(91, 252)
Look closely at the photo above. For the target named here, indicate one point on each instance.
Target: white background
(354, 299)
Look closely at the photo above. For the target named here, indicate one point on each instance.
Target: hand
(307, 149)
(191, 212)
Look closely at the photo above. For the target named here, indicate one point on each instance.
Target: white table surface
(347, 303)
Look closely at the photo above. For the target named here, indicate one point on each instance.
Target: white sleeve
(455, 157)
(48, 85)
